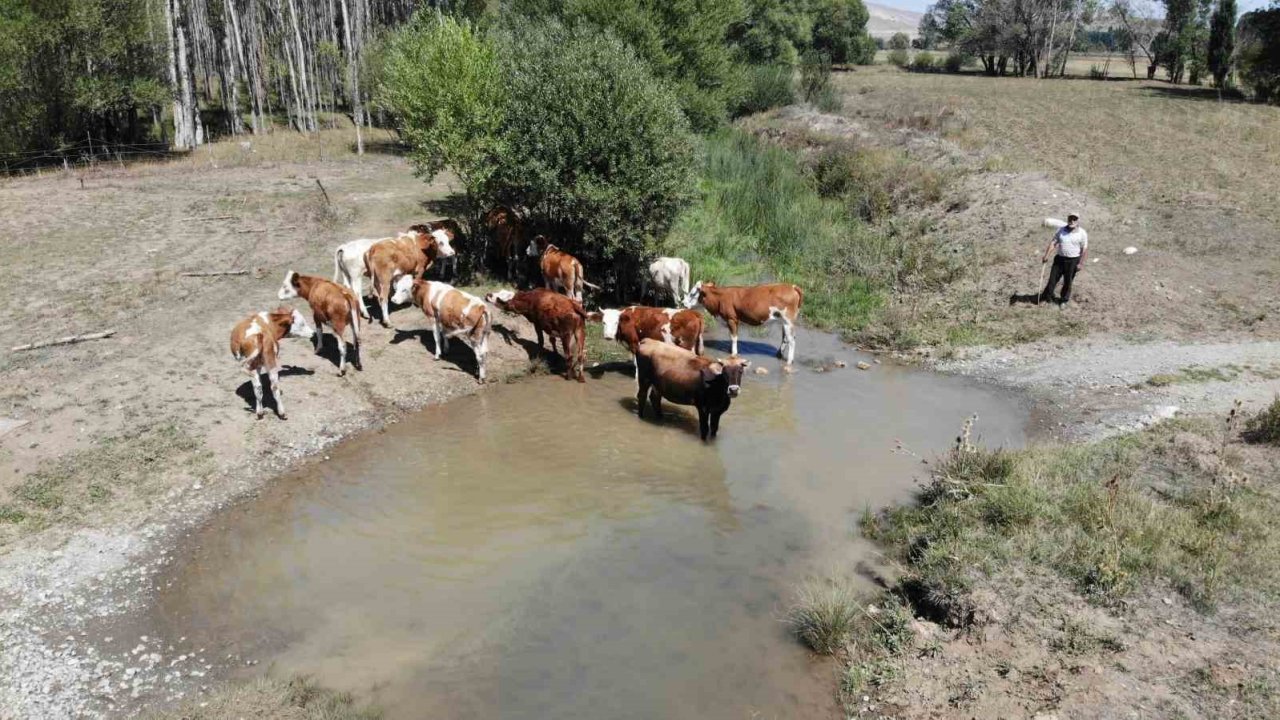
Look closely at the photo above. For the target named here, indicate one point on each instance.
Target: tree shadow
(621, 367)
(453, 205)
(383, 147)
(1193, 92)
(245, 391)
(329, 351)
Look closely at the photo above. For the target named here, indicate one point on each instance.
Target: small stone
(1166, 601)
(1130, 250)
(862, 365)
(841, 364)
(762, 370)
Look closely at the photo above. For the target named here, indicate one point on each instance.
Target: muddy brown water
(537, 551)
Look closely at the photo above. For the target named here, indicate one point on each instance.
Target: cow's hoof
(258, 416)
(342, 372)
(283, 416)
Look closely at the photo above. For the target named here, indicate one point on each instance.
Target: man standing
(1072, 245)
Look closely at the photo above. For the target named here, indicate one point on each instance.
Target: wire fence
(86, 153)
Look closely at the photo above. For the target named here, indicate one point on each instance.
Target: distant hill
(885, 21)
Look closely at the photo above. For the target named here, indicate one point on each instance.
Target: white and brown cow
(506, 229)
(560, 270)
(551, 314)
(664, 371)
(350, 269)
(255, 344)
(452, 314)
(630, 325)
(453, 233)
(666, 277)
(332, 305)
(411, 254)
(753, 305)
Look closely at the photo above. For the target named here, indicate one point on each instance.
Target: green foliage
(840, 31)
(443, 82)
(775, 32)
(1259, 53)
(825, 614)
(901, 58)
(956, 61)
(924, 62)
(1265, 426)
(899, 41)
(595, 143)
(815, 82)
(1222, 40)
(768, 86)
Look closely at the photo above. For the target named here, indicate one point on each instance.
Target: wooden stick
(69, 340)
(322, 190)
(253, 230)
(209, 217)
(212, 273)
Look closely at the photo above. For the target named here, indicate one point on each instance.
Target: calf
(348, 266)
(507, 232)
(555, 315)
(560, 270)
(452, 313)
(666, 371)
(332, 305)
(453, 233)
(410, 254)
(753, 305)
(667, 277)
(630, 325)
(255, 343)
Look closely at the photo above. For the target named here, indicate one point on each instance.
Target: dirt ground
(109, 446)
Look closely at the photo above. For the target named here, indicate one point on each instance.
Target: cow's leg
(357, 286)
(642, 392)
(481, 350)
(382, 288)
(317, 340)
(339, 334)
(568, 356)
(435, 333)
(733, 334)
(278, 393)
(703, 422)
(540, 341)
(715, 423)
(655, 399)
(256, 379)
(789, 337)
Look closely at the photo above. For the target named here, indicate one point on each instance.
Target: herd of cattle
(666, 343)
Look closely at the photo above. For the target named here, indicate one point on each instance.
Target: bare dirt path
(110, 447)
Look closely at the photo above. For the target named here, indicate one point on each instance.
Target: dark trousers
(1064, 269)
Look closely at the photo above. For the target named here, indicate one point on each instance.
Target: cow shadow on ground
(245, 391)
(459, 353)
(621, 367)
(1028, 299)
(680, 416)
(329, 351)
(745, 347)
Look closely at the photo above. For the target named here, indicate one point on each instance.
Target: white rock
(1130, 250)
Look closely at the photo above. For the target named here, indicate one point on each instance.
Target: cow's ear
(711, 372)
(746, 364)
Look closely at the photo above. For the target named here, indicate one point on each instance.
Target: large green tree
(840, 31)
(1222, 41)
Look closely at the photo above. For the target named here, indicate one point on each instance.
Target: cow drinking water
(551, 314)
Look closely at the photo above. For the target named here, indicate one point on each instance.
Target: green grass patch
(1166, 504)
(1265, 426)
(763, 216)
(1195, 374)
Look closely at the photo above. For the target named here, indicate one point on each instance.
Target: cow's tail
(337, 265)
(583, 281)
(353, 309)
(800, 293)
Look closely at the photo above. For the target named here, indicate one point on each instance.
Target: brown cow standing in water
(753, 305)
(332, 305)
(666, 371)
(552, 314)
(560, 270)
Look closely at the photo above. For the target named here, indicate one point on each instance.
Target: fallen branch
(254, 230)
(209, 217)
(69, 340)
(322, 190)
(212, 273)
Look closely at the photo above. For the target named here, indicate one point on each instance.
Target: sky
(919, 5)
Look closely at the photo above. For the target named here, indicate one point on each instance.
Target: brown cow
(411, 253)
(666, 371)
(753, 305)
(555, 315)
(632, 324)
(453, 233)
(507, 230)
(452, 313)
(255, 343)
(560, 270)
(332, 305)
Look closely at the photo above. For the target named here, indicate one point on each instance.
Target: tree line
(1192, 40)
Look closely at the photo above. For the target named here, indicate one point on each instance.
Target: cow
(667, 277)
(560, 270)
(507, 231)
(753, 305)
(452, 313)
(630, 325)
(255, 344)
(552, 314)
(348, 266)
(409, 254)
(453, 233)
(664, 371)
(332, 305)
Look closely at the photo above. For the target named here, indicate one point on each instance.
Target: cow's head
(734, 368)
(695, 294)
(500, 297)
(609, 322)
(537, 246)
(298, 325)
(402, 290)
(444, 244)
(289, 289)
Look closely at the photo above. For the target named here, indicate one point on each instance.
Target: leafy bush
(899, 57)
(596, 144)
(899, 41)
(768, 86)
(443, 82)
(1258, 53)
(957, 61)
(923, 62)
(825, 614)
(1265, 426)
(815, 76)
(840, 31)
(774, 33)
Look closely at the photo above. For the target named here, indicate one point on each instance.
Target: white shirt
(1071, 242)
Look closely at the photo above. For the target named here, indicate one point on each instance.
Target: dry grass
(1137, 141)
(298, 698)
